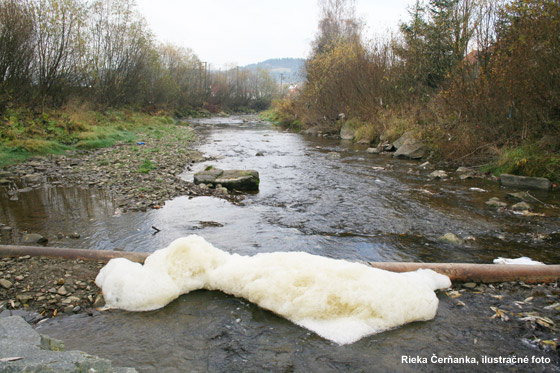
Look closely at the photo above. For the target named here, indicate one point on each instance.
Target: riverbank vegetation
(477, 80)
(73, 71)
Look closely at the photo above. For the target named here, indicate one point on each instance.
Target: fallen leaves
(498, 313)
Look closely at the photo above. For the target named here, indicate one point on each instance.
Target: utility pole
(205, 76)
(281, 84)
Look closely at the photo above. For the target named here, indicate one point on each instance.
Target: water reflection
(212, 332)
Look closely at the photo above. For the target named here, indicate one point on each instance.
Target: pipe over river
(457, 272)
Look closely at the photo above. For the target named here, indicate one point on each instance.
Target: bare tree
(16, 46)
(59, 45)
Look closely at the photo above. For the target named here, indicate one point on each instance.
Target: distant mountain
(290, 70)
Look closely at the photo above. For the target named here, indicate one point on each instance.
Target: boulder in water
(230, 179)
(525, 182)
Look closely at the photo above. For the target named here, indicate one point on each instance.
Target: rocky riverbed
(140, 176)
(49, 287)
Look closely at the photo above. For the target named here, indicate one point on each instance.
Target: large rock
(406, 137)
(25, 350)
(525, 182)
(347, 132)
(230, 179)
(438, 174)
(466, 173)
(412, 149)
(35, 238)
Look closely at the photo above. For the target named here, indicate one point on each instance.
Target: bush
(528, 160)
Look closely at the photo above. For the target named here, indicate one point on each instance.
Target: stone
(40, 353)
(495, 202)
(99, 301)
(521, 206)
(24, 298)
(520, 197)
(346, 132)
(407, 136)
(6, 284)
(451, 238)
(333, 155)
(75, 235)
(260, 154)
(469, 285)
(438, 174)
(62, 291)
(466, 173)
(4, 182)
(33, 178)
(230, 179)
(373, 150)
(206, 224)
(411, 149)
(35, 238)
(388, 147)
(525, 182)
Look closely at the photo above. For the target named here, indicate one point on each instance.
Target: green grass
(25, 134)
(526, 160)
(279, 118)
(146, 167)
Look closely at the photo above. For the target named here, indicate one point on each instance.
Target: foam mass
(339, 300)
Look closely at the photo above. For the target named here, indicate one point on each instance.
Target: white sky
(241, 32)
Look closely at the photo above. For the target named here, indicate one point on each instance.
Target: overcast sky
(241, 32)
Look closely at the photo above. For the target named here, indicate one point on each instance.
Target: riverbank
(140, 175)
(529, 158)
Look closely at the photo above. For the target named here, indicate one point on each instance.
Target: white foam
(521, 260)
(339, 300)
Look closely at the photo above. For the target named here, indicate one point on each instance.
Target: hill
(290, 70)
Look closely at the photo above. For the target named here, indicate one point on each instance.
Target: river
(319, 195)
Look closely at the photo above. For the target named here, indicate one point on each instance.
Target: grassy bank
(25, 133)
(453, 147)
(528, 160)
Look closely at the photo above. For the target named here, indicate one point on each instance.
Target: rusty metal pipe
(487, 273)
(57, 252)
(457, 272)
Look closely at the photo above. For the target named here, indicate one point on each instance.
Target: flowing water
(318, 195)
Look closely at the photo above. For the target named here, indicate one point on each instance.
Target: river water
(319, 195)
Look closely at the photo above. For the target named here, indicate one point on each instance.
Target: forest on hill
(284, 70)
